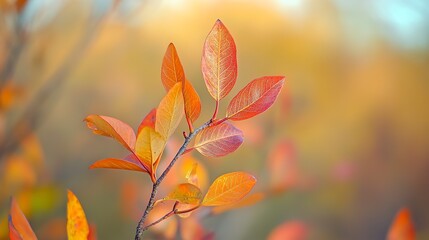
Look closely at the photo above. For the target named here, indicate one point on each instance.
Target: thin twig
(169, 214)
(149, 207)
(174, 211)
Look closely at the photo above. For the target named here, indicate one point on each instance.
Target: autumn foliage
(217, 137)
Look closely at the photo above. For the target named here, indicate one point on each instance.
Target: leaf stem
(217, 122)
(191, 128)
(149, 207)
(216, 110)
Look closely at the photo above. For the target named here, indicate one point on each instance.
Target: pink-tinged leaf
(19, 228)
(282, 166)
(402, 227)
(185, 193)
(149, 147)
(77, 225)
(219, 61)
(291, 230)
(128, 163)
(148, 121)
(192, 101)
(172, 69)
(218, 140)
(255, 98)
(111, 127)
(229, 188)
(169, 112)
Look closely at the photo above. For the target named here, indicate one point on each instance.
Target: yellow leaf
(185, 193)
(194, 172)
(169, 112)
(77, 225)
(149, 147)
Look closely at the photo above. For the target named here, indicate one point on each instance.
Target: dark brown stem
(139, 229)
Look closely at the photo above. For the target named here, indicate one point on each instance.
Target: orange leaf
(111, 127)
(149, 147)
(219, 61)
(192, 175)
(245, 202)
(184, 173)
(218, 140)
(77, 226)
(148, 121)
(172, 73)
(171, 70)
(128, 163)
(185, 193)
(402, 227)
(229, 188)
(192, 101)
(169, 112)
(255, 98)
(19, 228)
(291, 230)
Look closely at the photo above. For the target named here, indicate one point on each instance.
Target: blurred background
(345, 146)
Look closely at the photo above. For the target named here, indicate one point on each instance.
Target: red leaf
(19, 228)
(92, 235)
(148, 121)
(291, 230)
(128, 163)
(218, 140)
(255, 98)
(111, 127)
(402, 227)
(219, 61)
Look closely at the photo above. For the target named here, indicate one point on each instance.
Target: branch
(174, 211)
(149, 207)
